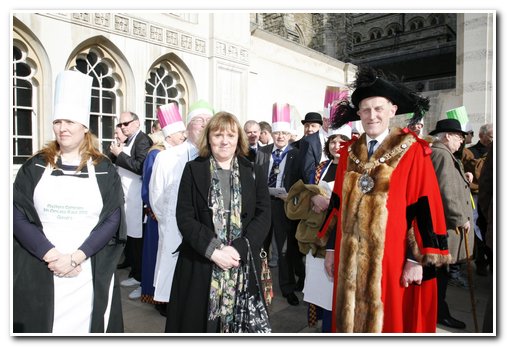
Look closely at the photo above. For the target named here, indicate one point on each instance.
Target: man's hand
(329, 263)
(320, 203)
(115, 149)
(466, 226)
(469, 177)
(412, 274)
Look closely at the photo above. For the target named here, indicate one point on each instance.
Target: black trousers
(290, 259)
(133, 255)
(442, 279)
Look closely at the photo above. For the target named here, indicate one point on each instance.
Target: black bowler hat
(312, 117)
(448, 126)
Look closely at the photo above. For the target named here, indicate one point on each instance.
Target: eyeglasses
(125, 124)
(281, 133)
(460, 136)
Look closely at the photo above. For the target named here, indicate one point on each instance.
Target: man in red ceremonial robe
(386, 222)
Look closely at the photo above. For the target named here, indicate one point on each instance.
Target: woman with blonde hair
(68, 225)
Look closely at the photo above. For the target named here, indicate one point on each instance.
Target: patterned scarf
(223, 283)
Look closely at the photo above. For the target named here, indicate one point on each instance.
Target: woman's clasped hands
(226, 257)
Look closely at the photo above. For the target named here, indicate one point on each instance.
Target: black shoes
(452, 323)
(292, 299)
(162, 309)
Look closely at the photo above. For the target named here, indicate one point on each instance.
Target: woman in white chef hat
(68, 225)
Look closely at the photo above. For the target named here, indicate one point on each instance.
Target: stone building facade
(438, 54)
(240, 62)
(140, 60)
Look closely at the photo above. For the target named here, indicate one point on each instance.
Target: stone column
(475, 66)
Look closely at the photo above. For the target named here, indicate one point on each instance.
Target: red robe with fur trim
(374, 230)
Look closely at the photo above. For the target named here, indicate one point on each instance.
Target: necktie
(277, 158)
(252, 153)
(371, 145)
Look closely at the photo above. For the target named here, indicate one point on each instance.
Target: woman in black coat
(223, 200)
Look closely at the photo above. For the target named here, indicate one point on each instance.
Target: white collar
(379, 138)
(281, 149)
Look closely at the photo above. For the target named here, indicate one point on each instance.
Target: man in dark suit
(129, 158)
(310, 146)
(280, 163)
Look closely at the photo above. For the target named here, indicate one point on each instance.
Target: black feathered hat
(370, 82)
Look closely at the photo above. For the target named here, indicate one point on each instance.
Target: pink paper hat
(333, 94)
(170, 119)
(281, 117)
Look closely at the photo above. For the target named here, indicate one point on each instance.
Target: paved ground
(141, 318)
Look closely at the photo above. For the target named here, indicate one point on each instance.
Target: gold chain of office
(366, 182)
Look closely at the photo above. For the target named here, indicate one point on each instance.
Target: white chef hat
(73, 92)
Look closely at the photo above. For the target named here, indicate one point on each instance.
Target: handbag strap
(250, 256)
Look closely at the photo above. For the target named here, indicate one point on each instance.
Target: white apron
(132, 185)
(318, 288)
(69, 208)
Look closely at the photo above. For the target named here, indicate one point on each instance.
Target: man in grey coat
(456, 199)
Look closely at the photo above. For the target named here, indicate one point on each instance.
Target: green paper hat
(199, 107)
(459, 113)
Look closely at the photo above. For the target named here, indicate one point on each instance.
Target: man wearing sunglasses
(129, 158)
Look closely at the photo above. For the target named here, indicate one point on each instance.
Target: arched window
(415, 24)
(164, 85)
(105, 93)
(24, 122)
(393, 29)
(436, 19)
(375, 34)
(357, 38)
(300, 37)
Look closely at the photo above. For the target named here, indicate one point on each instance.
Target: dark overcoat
(188, 303)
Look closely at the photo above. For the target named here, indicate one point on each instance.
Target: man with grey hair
(455, 193)
(473, 160)
(253, 131)
(129, 158)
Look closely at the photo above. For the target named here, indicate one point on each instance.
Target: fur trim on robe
(359, 304)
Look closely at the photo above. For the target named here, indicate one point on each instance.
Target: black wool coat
(188, 303)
